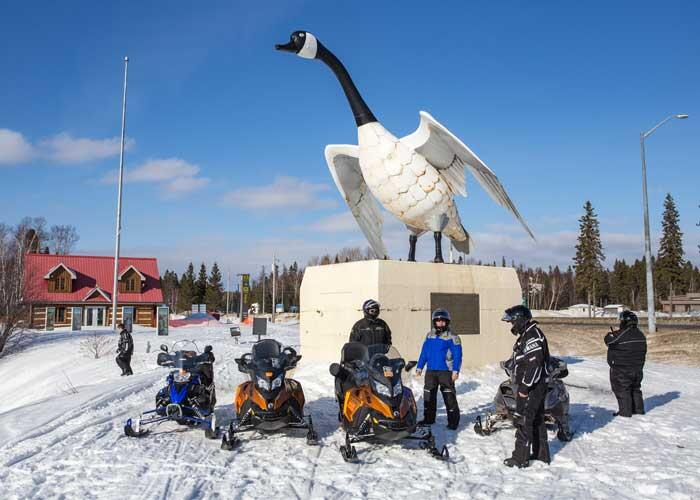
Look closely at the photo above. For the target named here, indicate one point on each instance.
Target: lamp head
(681, 117)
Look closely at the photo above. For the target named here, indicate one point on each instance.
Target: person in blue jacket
(442, 352)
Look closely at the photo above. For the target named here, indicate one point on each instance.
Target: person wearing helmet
(627, 349)
(125, 349)
(371, 329)
(530, 361)
(442, 352)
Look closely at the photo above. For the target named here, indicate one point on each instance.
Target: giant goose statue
(415, 177)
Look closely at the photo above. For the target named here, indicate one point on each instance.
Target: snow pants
(531, 432)
(124, 362)
(626, 384)
(435, 379)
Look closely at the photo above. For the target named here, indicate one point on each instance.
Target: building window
(60, 314)
(59, 284)
(131, 285)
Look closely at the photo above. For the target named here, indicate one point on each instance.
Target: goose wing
(344, 164)
(449, 155)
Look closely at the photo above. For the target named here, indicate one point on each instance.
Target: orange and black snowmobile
(269, 401)
(374, 404)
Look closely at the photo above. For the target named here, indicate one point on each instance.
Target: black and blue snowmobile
(189, 397)
(556, 403)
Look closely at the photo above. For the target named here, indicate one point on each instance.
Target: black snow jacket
(126, 344)
(371, 331)
(530, 358)
(626, 348)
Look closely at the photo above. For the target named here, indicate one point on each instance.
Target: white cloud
(285, 192)
(175, 176)
(14, 148)
(336, 223)
(63, 148)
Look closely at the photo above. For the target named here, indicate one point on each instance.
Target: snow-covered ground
(55, 442)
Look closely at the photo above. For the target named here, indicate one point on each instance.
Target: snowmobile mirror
(208, 348)
(411, 365)
(164, 348)
(334, 369)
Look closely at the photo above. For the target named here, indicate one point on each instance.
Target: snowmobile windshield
(386, 367)
(185, 355)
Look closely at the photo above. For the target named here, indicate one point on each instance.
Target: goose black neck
(360, 110)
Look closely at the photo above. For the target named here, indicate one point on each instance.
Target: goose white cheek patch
(308, 51)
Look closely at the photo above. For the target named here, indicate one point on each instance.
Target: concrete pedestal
(476, 296)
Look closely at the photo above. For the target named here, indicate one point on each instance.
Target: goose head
(302, 43)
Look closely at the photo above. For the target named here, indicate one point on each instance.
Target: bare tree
(96, 346)
(63, 239)
(14, 296)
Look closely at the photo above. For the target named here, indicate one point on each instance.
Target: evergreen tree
(171, 288)
(588, 262)
(200, 286)
(187, 293)
(214, 295)
(670, 262)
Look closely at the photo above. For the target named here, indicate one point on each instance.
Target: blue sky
(226, 135)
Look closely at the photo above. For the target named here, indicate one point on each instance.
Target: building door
(50, 318)
(76, 318)
(94, 316)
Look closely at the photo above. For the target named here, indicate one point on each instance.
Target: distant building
(689, 302)
(61, 289)
(613, 309)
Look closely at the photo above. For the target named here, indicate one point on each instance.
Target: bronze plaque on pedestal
(463, 309)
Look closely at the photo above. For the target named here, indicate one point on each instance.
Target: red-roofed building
(64, 286)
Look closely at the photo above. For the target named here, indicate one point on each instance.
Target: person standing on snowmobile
(442, 352)
(125, 349)
(627, 349)
(371, 329)
(530, 358)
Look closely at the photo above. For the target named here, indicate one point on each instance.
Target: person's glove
(520, 403)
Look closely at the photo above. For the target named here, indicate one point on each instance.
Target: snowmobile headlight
(181, 377)
(263, 384)
(277, 382)
(382, 389)
(398, 388)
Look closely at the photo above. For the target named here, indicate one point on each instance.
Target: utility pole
(263, 284)
(115, 288)
(647, 238)
(228, 286)
(274, 286)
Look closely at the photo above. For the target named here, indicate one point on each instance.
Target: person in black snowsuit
(627, 349)
(530, 361)
(125, 349)
(371, 329)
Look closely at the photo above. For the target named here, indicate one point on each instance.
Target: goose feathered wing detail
(449, 155)
(344, 164)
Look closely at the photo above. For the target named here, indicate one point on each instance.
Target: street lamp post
(647, 238)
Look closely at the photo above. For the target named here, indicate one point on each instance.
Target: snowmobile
(556, 406)
(269, 401)
(374, 404)
(189, 397)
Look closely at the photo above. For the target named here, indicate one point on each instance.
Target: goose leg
(438, 247)
(412, 239)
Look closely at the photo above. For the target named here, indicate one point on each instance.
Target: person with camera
(627, 349)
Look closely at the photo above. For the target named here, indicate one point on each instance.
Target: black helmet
(442, 314)
(518, 316)
(628, 318)
(371, 308)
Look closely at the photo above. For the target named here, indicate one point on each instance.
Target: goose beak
(287, 47)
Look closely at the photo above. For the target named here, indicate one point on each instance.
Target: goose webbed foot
(412, 239)
(438, 247)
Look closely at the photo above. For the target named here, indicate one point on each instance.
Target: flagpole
(115, 289)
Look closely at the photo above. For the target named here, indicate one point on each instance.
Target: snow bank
(58, 443)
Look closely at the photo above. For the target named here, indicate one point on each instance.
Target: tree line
(587, 280)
